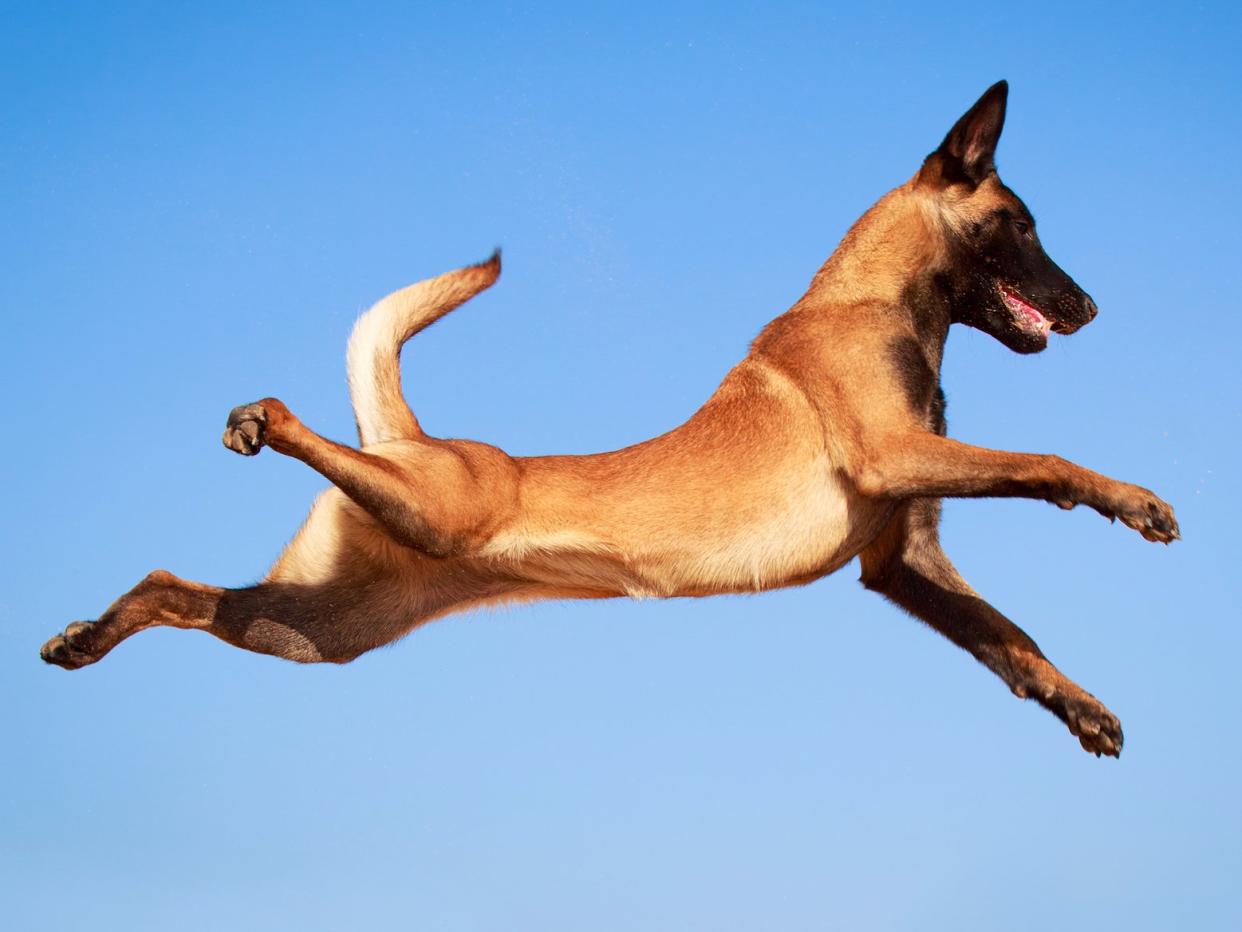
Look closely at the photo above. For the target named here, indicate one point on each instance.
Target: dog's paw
(1097, 729)
(246, 430)
(71, 649)
(1142, 510)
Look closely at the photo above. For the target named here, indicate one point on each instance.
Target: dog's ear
(967, 155)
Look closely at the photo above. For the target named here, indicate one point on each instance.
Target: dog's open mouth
(1026, 315)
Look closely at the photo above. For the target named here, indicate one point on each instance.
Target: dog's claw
(244, 433)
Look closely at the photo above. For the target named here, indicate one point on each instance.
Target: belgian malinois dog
(827, 442)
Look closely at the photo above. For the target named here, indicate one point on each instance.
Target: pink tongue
(1031, 312)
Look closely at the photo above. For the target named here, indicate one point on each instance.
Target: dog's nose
(1092, 310)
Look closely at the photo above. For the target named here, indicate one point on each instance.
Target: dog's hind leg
(907, 566)
(340, 588)
(305, 623)
(440, 497)
(160, 599)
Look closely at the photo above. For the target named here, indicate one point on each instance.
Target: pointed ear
(968, 152)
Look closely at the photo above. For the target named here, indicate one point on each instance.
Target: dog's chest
(807, 524)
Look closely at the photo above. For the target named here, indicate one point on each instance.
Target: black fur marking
(967, 154)
(938, 422)
(917, 377)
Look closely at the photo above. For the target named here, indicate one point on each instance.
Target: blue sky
(199, 199)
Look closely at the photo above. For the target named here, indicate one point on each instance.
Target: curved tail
(373, 357)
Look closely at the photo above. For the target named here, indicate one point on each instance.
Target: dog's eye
(1022, 226)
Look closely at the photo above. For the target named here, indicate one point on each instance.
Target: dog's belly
(792, 529)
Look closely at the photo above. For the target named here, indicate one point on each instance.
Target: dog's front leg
(917, 465)
(907, 566)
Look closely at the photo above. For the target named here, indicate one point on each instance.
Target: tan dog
(824, 444)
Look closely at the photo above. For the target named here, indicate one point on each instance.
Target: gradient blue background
(197, 201)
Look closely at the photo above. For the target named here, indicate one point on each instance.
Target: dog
(825, 443)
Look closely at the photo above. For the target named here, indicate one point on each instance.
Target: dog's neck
(894, 256)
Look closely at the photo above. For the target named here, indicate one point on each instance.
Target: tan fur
(374, 373)
(813, 451)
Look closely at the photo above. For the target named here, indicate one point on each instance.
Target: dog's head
(997, 274)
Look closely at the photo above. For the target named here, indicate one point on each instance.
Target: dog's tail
(374, 353)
